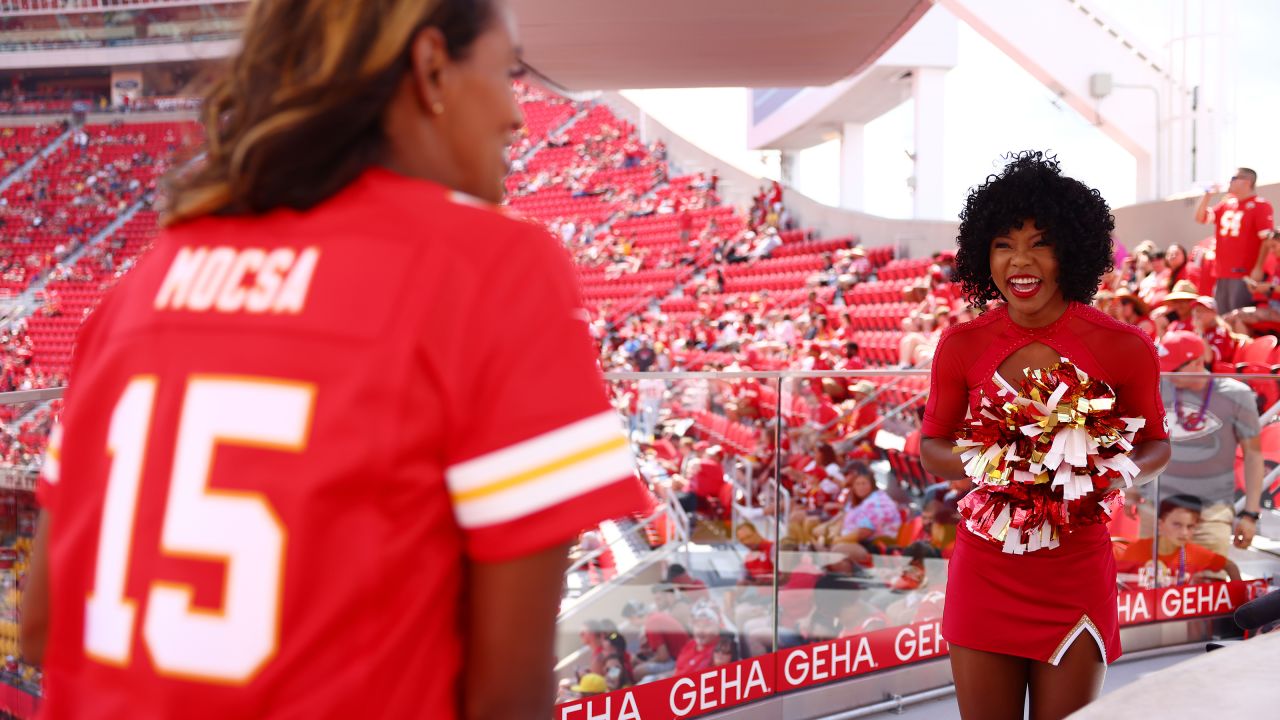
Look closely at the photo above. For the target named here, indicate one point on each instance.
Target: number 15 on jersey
(237, 528)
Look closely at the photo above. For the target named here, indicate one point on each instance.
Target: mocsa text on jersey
(228, 280)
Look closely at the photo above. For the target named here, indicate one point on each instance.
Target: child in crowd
(1179, 561)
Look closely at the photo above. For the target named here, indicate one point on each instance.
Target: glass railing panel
(657, 600)
(793, 538)
(862, 534)
(867, 530)
(26, 418)
(1201, 549)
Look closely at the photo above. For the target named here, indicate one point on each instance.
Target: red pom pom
(1045, 460)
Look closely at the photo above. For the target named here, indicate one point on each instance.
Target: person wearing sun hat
(591, 684)
(1208, 419)
(1128, 307)
(1125, 295)
(867, 411)
(1179, 302)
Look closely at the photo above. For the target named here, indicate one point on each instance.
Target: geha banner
(815, 664)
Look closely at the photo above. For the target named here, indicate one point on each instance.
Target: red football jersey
(1237, 226)
(286, 435)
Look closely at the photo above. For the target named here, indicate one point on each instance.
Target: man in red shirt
(852, 359)
(706, 479)
(664, 635)
(1241, 222)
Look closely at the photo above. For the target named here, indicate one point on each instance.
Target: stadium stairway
(29, 303)
(22, 170)
(563, 127)
(28, 297)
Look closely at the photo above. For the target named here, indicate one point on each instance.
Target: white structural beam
(1072, 43)
(913, 68)
(811, 115)
(853, 166)
(928, 92)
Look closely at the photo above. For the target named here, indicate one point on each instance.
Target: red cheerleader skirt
(1034, 605)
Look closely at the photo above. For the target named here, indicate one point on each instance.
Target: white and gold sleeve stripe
(541, 472)
(52, 467)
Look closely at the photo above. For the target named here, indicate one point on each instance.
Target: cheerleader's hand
(1132, 499)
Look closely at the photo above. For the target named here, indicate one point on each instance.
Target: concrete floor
(1119, 675)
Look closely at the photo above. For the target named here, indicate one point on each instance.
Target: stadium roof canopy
(589, 44)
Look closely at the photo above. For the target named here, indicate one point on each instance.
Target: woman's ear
(428, 60)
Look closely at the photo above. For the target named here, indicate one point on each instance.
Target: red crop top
(1107, 349)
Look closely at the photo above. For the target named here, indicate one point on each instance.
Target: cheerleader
(1043, 622)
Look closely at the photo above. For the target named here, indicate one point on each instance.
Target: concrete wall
(1171, 221)
(915, 238)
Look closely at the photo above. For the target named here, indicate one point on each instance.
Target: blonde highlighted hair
(297, 114)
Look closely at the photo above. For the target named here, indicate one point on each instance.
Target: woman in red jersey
(301, 471)
(1044, 621)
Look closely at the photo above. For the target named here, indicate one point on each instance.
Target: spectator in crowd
(664, 635)
(862, 395)
(839, 608)
(1178, 303)
(912, 340)
(1156, 282)
(687, 585)
(1264, 287)
(940, 520)
(650, 393)
(1178, 265)
(758, 564)
(852, 359)
(707, 480)
(1241, 220)
(592, 635)
(871, 514)
(590, 685)
(1209, 419)
(698, 653)
(1216, 333)
(726, 651)
(1179, 561)
(615, 655)
(632, 626)
(1130, 308)
(616, 673)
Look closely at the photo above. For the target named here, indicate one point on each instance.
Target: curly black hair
(1073, 216)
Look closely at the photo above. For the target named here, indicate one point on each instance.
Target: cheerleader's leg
(1059, 690)
(989, 686)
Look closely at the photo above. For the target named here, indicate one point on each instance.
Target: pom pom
(1044, 459)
